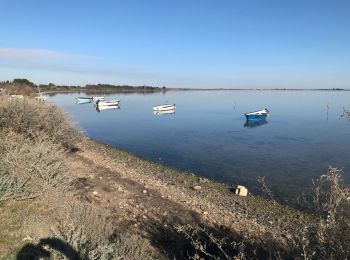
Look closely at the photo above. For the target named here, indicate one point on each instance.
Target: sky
(189, 44)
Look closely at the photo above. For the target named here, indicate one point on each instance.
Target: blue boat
(254, 123)
(81, 100)
(257, 115)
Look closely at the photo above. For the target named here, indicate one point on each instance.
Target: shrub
(32, 119)
(329, 238)
(90, 232)
(10, 187)
(38, 165)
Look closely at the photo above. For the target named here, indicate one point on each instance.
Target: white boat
(83, 101)
(100, 103)
(164, 112)
(95, 98)
(99, 109)
(164, 107)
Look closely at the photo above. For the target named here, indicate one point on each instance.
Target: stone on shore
(241, 191)
(197, 187)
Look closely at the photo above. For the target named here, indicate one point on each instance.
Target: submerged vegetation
(50, 208)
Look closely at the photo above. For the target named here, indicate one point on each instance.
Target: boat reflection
(102, 108)
(164, 112)
(254, 123)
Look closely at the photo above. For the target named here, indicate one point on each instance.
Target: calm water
(304, 134)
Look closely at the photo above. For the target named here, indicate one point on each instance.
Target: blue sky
(198, 43)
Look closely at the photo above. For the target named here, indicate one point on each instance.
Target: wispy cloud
(38, 53)
(60, 62)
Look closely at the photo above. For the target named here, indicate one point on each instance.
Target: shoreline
(213, 201)
(116, 194)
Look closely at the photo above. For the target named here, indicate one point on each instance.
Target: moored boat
(83, 99)
(100, 103)
(255, 123)
(101, 108)
(164, 112)
(257, 115)
(95, 98)
(164, 107)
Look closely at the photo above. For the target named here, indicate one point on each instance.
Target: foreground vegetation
(63, 196)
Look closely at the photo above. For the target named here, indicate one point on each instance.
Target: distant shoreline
(24, 86)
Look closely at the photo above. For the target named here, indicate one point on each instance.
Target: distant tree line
(52, 86)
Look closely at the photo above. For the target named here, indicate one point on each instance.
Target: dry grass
(326, 236)
(33, 120)
(329, 238)
(36, 165)
(35, 140)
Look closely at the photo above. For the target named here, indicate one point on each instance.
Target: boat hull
(164, 112)
(102, 108)
(255, 123)
(107, 103)
(164, 107)
(83, 101)
(94, 98)
(257, 117)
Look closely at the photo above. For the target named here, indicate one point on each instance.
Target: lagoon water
(304, 135)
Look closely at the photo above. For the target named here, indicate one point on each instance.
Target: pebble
(197, 187)
(94, 193)
(144, 191)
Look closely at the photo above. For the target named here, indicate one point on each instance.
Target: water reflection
(254, 123)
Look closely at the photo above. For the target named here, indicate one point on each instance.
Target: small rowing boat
(83, 99)
(95, 98)
(101, 108)
(164, 107)
(164, 112)
(257, 115)
(254, 123)
(100, 103)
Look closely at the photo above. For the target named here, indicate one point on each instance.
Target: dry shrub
(38, 165)
(90, 232)
(32, 119)
(85, 228)
(329, 238)
(132, 246)
(11, 187)
(207, 245)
